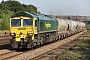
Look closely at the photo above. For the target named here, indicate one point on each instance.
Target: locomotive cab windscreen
(17, 22)
(22, 27)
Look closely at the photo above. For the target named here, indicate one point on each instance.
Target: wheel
(29, 45)
(14, 45)
(41, 42)
(38, 45)
(34, 45)
(59, 37)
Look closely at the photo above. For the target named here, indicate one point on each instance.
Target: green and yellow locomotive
(30, 30)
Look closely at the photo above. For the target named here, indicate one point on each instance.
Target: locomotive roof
(22, 14)
(40, 16)
(45, 17)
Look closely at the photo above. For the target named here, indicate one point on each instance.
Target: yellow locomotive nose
(23, 33)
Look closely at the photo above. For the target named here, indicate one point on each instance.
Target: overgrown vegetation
(9, 7)
(81, 51)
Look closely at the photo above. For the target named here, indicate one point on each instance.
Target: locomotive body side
(46, 24)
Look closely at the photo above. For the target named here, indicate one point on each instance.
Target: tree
(4, 19)
(16, 6)
(9, 7)
(38, 12)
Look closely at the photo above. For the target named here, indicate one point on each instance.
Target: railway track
(9, 55)
(4, 35)
(4, 39)
(38, 53)
(57, 52)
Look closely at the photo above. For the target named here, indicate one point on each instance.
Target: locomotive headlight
(29, 34)
(13, 34)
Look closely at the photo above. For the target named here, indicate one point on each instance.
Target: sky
(61, 7)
